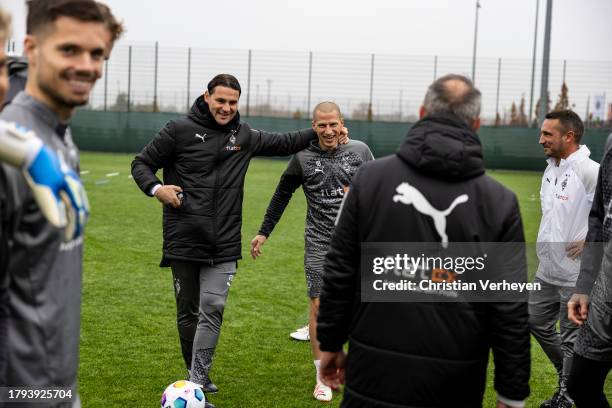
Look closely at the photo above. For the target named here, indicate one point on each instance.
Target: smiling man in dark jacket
(432, 353)
(205, 156)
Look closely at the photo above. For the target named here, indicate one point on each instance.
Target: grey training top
(44, 271)
(324, 176)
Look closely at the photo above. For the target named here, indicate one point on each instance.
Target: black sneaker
(563, 401)
(210, 388)
(208, 404)
(551, 403)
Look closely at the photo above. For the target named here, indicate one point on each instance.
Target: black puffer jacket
(209, 162)
(424, 354)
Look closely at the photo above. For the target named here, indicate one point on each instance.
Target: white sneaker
(322, 392)
(301, 334)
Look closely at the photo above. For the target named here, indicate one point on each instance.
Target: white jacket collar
(582, 153)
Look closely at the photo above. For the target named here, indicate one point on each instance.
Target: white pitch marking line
(112, 174)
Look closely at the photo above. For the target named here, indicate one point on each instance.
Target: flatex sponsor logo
(232, 146)
(333, 192)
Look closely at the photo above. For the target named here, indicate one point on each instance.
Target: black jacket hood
(443, 147)
(200, 113)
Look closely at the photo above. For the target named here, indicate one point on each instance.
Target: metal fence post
(499, 64)
(564, 66)
(129, 91)
(188, 77)
(309, 84)
(248, 103)
(475, 43)
(289, 103)
(435, 67)
(155, 107)
(401, 95)
(533, 62)
(586, 116)
(105, 84)
(370, 113)
(545, 64)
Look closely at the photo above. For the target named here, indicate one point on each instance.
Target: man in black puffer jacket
(205, 157)
(428, 354)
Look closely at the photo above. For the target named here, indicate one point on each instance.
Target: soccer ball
(183, 394)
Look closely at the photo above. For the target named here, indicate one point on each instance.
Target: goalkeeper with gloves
(43, 207)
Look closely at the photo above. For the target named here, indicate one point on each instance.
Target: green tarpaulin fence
(504, 147)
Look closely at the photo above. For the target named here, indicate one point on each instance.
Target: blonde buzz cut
(326, 107)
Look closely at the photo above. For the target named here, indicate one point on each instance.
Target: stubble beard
(59, 99)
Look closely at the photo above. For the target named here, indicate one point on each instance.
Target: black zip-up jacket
(209, 162)
(424, 354)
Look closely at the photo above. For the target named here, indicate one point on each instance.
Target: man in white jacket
(568, 186)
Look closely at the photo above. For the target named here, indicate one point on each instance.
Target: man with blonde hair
(324, 170)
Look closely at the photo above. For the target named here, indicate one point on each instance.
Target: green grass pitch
(129, 343)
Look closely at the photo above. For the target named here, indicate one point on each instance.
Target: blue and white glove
(57, 189)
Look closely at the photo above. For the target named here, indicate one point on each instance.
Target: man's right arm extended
(280, 144)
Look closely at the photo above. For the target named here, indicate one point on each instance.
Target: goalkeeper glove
(57, 189)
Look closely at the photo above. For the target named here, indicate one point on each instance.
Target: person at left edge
(66, 43)
(54, 186)
(205, 156)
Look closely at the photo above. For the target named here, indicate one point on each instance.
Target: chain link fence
(375, 87)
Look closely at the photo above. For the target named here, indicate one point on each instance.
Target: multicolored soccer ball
(183, 394)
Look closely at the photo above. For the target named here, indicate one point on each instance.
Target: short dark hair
(42, 13)
(226, 80)
(115, 26)
(569, 121)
